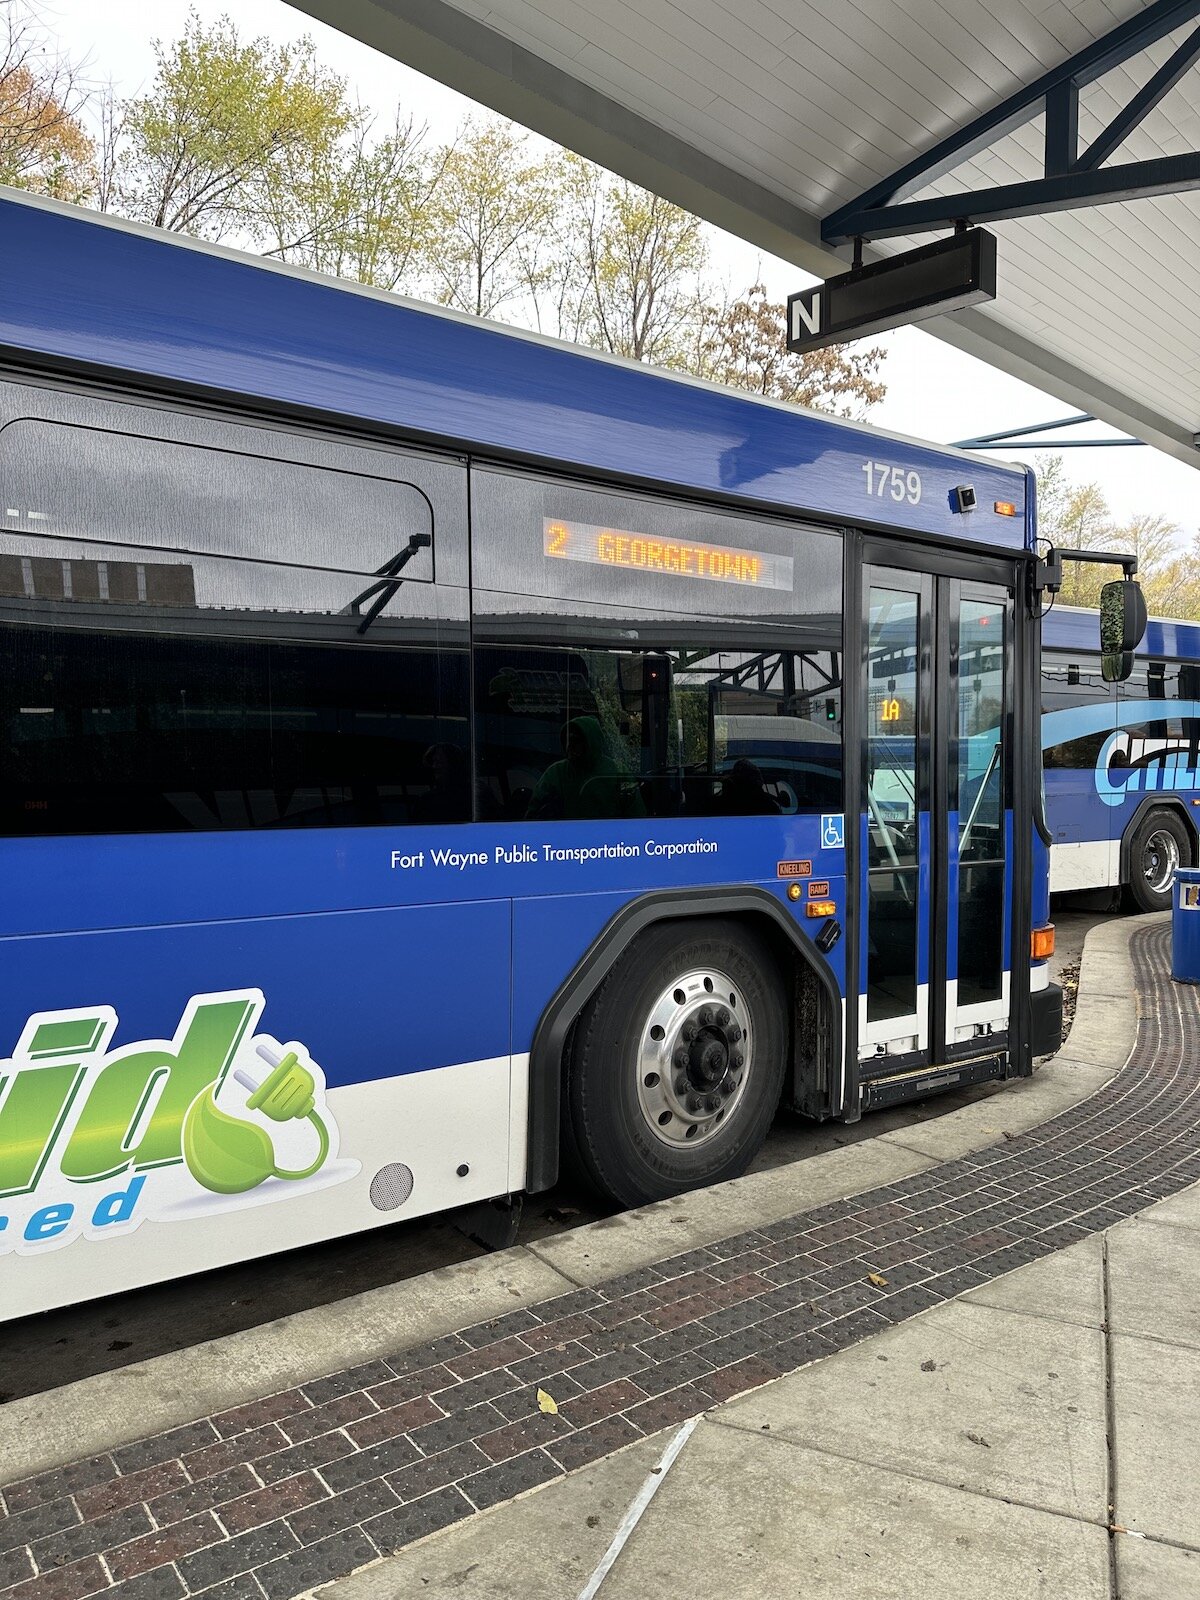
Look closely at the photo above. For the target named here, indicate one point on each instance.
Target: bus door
(935, 824)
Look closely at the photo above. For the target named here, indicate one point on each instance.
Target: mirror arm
(1049, 573)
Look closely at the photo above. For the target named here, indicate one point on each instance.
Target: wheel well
(814, 1022)
(809, 1083)
(1146, 809)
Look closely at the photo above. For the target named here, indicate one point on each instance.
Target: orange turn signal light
(1004, 508)
(1041, 943)
(820, 908)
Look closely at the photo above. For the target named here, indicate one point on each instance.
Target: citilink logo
(95, 1141)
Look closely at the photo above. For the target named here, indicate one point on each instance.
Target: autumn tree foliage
(43, 145)
(1076, 516)
(743, 343)
(224, 122)
(490, 215)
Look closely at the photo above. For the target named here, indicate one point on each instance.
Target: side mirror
(1122, 619)
(1116, 666)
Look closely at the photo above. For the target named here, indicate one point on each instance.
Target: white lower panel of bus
(395, 1149)
(900, 1035)
(1092, 865)
(897, 1035)
(965, 1022)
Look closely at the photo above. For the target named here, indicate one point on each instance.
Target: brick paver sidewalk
(286, 1492)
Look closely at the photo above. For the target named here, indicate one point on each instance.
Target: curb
(99, 1413)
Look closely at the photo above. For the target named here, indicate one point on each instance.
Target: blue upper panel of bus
(78, 288)
(1068, 629)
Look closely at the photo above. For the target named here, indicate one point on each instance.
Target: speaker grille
(391, 1186)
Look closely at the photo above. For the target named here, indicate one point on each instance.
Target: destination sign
(677, 558)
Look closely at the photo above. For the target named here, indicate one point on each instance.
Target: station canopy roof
(767, 116)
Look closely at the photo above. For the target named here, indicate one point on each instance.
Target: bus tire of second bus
(1158, 841)
(677, 1062)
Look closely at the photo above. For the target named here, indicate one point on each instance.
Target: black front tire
(1150, 854)
(609, 1135)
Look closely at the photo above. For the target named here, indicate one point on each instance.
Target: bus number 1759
(892, 481)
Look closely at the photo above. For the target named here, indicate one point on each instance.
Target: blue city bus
(431, 753)
(1121, 761)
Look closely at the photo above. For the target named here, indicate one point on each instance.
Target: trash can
(1185, 926)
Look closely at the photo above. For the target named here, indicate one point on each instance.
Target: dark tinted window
(138, 732)
(1072, 683)
(194, 637)
(641, 656)
(684, 731)
(1167, 691)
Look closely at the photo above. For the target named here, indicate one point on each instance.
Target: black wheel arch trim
(1149, 803)
(550, 1035)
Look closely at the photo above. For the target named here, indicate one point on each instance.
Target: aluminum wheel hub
(695, 1055)
(1160, 858)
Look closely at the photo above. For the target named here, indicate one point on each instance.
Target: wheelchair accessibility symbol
(833, 832)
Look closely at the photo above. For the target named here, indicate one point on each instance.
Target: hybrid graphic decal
(94, 1142)
(1131, 763)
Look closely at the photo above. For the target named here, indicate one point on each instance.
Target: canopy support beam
(1071, 179)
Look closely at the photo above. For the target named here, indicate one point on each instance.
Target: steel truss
(1071, 178)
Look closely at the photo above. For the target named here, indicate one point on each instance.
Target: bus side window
(200, 638)
(761, 732)
(570, 735)
(1068, 686)
(556, 738)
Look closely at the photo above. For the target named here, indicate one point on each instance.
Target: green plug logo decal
(95, 1141)
(229, 1155)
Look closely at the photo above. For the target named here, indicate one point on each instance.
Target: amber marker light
(821, 908)
(1041, 943)
(794, 891)
(1004, 508)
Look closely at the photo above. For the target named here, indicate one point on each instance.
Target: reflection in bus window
(586, 782)
(891, 785)
(979, 799)
(566, 734)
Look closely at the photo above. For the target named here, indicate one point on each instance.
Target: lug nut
(688, 1031)
(695, 1103)
(681, 1087)
(680, 1057)
(735, 1059)
(722, 1018)
(714, 1103)
(706, 1017)
(734, 1034)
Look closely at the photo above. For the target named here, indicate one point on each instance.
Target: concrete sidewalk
(1035, 1437)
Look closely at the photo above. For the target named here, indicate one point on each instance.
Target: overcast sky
(934, 392)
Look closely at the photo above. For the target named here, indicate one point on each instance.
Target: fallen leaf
(878, 1279)
(929, 1366)
(547, 1402)
(977, 1438)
